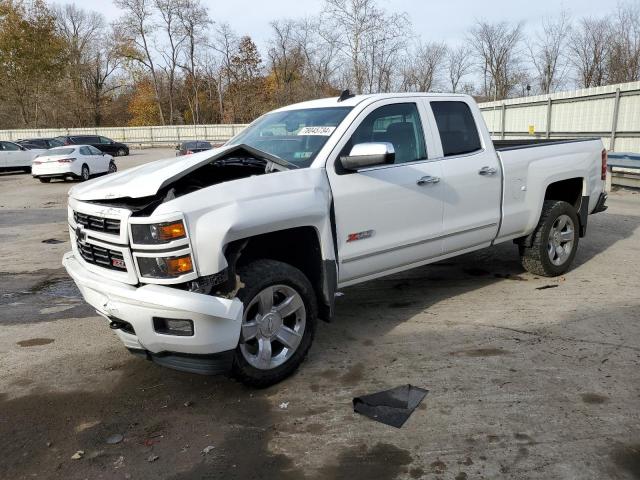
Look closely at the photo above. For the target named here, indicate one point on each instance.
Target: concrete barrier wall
(611, 113)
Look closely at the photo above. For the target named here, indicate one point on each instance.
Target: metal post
(614, 121)
(549, 117)
(502, 121)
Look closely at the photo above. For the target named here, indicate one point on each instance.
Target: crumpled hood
(145, 180)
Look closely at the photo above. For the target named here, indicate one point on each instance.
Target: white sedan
(73, 161)
(16, 157)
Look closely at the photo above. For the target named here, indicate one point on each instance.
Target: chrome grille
(103, 257)
(97, 224)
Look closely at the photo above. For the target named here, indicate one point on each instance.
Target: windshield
(293, 135)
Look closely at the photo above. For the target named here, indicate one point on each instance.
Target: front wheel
(44, 180)
(555, 240)
(278, 323)
(112, 167)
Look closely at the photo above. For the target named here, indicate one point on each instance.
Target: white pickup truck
(224, 260)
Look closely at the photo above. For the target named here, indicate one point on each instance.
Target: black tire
(536, 259)
(85, 174)
(256, 277)
(44, 180)
(27, 170)
(112, 167)
(121, 152)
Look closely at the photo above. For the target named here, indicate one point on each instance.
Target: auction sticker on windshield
(320, 131)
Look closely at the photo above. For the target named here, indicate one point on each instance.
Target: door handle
(428, 180)
(487, 171)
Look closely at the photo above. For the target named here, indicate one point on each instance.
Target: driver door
(388, 217)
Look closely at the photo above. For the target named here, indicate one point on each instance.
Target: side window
(398, 124)
(105, 140)
(85, 151)
(8, 146)
(458, 130)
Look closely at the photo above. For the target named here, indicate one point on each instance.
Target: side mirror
(368, 155)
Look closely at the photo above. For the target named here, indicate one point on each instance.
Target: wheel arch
(572, 190)
(299, 247)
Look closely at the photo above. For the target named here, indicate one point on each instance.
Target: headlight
(158, 233)
(165, 267)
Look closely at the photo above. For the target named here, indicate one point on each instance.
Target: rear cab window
(457, 128)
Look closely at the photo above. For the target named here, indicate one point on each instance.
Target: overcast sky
(433, 20)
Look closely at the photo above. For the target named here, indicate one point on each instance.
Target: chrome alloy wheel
(561, 240)
(272, 327)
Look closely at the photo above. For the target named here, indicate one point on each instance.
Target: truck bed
(503, 145)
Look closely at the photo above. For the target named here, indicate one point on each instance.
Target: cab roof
(358, 99)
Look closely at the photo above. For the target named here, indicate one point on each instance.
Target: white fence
(611, 112)
(135, 135)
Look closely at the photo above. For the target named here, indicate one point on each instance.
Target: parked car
(225, 259)
(74, 161)
(16, 157)
(40, 143)
(192, 146)
(103, 144)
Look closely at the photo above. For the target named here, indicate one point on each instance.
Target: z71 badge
(359, 236)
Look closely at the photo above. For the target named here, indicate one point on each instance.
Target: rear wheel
(112, 167)
(278, 324)
(44, 180)
(85, 174)
(555, 240)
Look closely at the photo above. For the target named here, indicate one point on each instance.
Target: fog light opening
(173, 326)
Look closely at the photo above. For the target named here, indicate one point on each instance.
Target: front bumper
(216, 321)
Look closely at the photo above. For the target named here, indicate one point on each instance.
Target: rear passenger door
(100, 159)
(106, 145)
(471, 178)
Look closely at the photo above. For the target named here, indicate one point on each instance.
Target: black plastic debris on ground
(546, 287)
(391, 407)
(52, 241)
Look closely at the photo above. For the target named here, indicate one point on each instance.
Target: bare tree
(355, 20)
(589, 46)
(422, 67)
(320, 45)
(459, 65)
(104, 62)
(194, 19)
(136, 32)
(623, 64)
(385, 45)
(81, 31)
(547, 52)
(287, 62)
(174, 36)
(496, 46)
